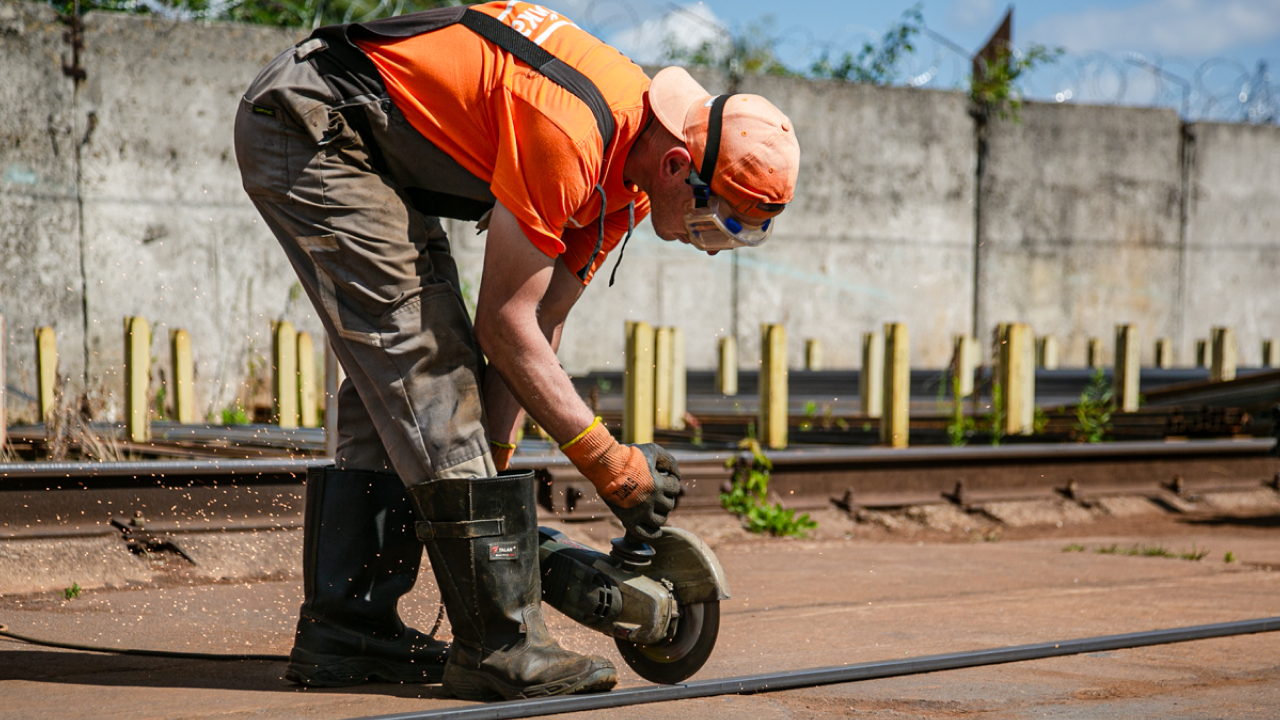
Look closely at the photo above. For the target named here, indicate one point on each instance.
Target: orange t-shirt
(535, 143)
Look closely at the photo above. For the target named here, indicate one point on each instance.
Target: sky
(1213, 45)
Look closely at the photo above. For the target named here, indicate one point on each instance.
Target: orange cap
(759, 156)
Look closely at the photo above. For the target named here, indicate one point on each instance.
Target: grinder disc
(678, 657)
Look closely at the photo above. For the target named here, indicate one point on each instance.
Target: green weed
(1230, 557)
(235, 414)
(1153, 551)
(749, 494)
(1073, 548)
(1093, 413)
(72, 592)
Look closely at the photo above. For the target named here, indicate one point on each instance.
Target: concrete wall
(881, 228)
(40, 272)
(1079, 224)
(119, 195)
(1232, 270)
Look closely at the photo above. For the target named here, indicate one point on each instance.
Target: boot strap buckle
(463, 530)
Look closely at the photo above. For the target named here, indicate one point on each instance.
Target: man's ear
(676, 162)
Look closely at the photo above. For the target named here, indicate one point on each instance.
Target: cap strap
(711, 154)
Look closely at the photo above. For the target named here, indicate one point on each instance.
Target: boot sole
(478, 686)
(327, 671)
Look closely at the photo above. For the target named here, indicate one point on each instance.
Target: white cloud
(1173, 27)
(687, 27)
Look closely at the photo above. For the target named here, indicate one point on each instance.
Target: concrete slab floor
(874, 595)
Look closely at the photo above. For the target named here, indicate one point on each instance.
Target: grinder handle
(631, 549)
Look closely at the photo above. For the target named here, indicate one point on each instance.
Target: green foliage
(875, 64)
(161, 408)
(1230, 557)
(996, 92)
(1093, 413)
(1039, 421)
(751, 52)
(1154, 551)
(286, 13)
(234, 414)
(960, 427)
(995, 419)
(810, 412)
(748, 497)
(1073, 548)
(72, 592)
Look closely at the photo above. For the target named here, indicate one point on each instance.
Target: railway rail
(50, 499)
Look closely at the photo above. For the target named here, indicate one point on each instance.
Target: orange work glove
(619, 472)
(501, 453)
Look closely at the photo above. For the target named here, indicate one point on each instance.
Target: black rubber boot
(482, 537)
(360, 556)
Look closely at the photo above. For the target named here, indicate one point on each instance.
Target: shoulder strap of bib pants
(363, 78)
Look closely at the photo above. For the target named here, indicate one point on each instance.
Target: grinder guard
(664, 617)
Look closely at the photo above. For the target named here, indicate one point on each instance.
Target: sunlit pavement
(796, 604)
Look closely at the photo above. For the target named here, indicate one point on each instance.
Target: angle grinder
(659, 601)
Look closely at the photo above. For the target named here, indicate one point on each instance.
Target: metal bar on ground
(815, 677)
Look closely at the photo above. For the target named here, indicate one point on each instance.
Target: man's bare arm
(525, 297)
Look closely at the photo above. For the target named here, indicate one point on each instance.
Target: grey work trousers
(378, 272)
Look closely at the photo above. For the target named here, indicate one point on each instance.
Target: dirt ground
(880, 586)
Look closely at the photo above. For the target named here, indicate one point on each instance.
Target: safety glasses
(712, 227)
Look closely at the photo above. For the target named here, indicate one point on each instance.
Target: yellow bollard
(285, 379)
(1164, 353)
(895, 424)
(662, 378)
(963, 362)
(1222, 362)
(679, 380)
(184, 404)
(1047, 352)
(1094, 354)
(727, 371)
(871, 378)
(637, 385)
(4, 344)
(46, 369)
(308, 400)
(332, 380)
(1017, 377)
(1128, 367)
(137, 379)
(773, 386)
(813, 359)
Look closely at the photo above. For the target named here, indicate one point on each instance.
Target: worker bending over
(352, 145)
